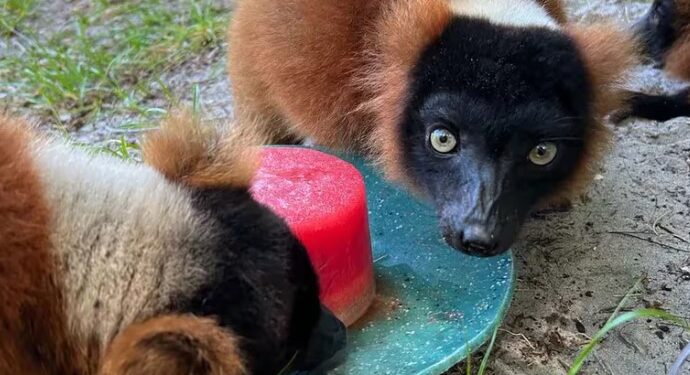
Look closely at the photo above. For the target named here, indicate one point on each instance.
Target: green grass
(483, 366)
(617, 322)
(485, 359)
(13, 13)
(110, 58)
(617, 319)
(122, 148)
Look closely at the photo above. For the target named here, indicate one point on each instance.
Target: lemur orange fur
(174, 345)
(678, 58)
(31, 307)
(608, 52)
(336, 42)
(401, 35)
(361, 110)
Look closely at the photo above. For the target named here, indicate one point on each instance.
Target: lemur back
(123, 268)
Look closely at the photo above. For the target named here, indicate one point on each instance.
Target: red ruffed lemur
(664, 32)
(489, 108)
(112, 268)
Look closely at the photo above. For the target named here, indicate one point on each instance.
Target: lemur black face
(657, 29)
(495, 122)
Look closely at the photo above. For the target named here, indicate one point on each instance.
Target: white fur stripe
(521, 13)
(127, 240)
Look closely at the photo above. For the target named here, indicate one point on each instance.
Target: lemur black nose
(477, 240)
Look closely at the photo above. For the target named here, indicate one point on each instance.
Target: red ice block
(323, 200)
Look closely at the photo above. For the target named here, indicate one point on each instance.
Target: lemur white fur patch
(128, 242)
(521, 13)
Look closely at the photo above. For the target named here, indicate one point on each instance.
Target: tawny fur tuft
(608, 53)
(185, 151)
(174, 345)
(31, 311)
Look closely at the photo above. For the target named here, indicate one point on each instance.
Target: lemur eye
(443, 141)
(543, 153)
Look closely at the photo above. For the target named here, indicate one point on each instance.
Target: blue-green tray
(434, 304)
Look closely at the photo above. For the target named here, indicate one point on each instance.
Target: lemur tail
(185, 151)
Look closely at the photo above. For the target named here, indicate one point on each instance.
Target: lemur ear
(608, 52)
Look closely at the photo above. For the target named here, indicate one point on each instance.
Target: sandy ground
(573, 267)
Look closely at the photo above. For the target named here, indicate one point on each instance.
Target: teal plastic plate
(434, 304)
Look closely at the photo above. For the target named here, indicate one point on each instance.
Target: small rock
(579, 326)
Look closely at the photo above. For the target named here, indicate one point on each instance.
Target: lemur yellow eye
(443, 141)
(543, 153)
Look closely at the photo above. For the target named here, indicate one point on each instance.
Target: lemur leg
(655, 107)
(255, 111)
(265, 124)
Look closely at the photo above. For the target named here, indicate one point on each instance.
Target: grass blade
(468, 359)
(287, 367)
(196, 100)
(485, 359)
(625, 299)
(617, 321)
(124, 149)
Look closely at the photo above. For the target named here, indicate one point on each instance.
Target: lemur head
(662, 25)
(502, 113)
